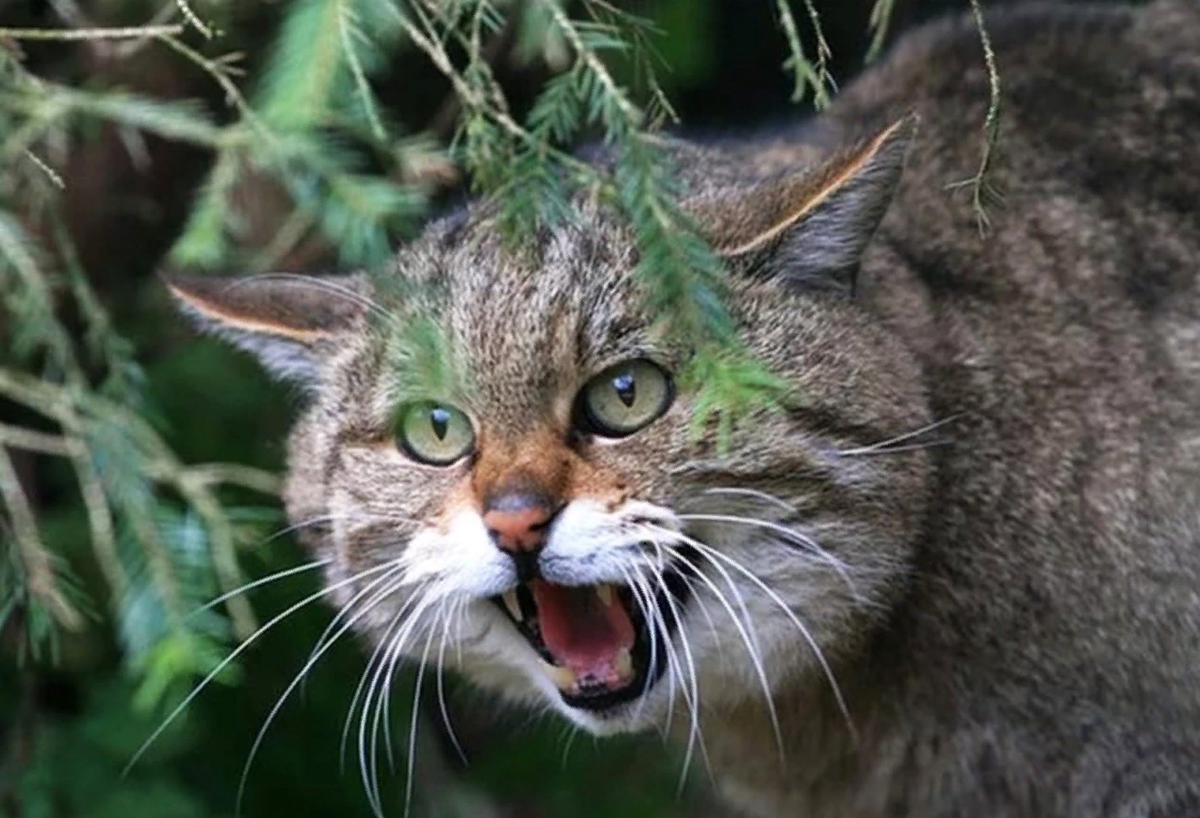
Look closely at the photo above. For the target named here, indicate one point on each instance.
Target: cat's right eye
(434, 433)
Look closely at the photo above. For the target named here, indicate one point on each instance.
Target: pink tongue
(581, 631)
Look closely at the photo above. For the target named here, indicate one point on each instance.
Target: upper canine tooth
(623, 664)
(510, 602)
(606, 594)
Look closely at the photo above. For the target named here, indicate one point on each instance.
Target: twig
(599, 70)
(165, 13)
(218, 71)
(16, 437)
(59, 404)
(879, 23)
(100, 520)
(192, 18)
(224, 553)
(122, 33)
(497, 47)
(35, 559)
(90, 487)
(981, 188)
(161, 464)
(46, 169)
(497, 110)
(236, 474)
(356, 71)
(817, 76)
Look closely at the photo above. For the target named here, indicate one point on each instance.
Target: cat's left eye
(434, 433)
(623, 399)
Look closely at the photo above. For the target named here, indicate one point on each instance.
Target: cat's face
(546, 520)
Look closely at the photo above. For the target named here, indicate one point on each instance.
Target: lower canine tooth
(623, 664)
(605, 592)
(563, 677)
(510, 602)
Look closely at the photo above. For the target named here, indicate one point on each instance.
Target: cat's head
(532, 506)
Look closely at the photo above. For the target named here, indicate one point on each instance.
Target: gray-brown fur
(1015, 625)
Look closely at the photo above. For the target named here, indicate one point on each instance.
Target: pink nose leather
(517, 527)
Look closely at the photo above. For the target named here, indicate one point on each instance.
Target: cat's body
(1047, 660)
(1009, 603)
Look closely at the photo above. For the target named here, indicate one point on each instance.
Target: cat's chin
(645, 712)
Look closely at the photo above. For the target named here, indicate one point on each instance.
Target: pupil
(626, 390)
(439, 419)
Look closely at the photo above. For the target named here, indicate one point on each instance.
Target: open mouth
(597, 644)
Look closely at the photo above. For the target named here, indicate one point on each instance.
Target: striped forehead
(532, 324)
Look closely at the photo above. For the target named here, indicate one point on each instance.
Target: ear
(282, 319)
(811, 227)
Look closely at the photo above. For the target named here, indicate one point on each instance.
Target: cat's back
(1058, 579)
(1091, 182)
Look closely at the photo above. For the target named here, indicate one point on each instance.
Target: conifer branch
(58, 403)
(982, 192)
(348, 31)
(194, 19)
(68, 34)
(17, 437)
(879, 24)
(489, 103)
(220, 70)
(35, 559)
(807, 74)
(629, 111)
(100, 518)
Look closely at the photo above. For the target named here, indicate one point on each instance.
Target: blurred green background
(77, 703)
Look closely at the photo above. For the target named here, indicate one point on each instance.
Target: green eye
(434, 433)
(623, 398)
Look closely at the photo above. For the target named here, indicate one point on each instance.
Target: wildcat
(961, 577)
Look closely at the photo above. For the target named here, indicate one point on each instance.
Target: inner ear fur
(280, 318)
(811, 226)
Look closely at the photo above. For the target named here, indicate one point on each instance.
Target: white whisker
(250, 586)
(695, 734)
(250, 640)
(572, 732)
(886, 446)
(381, 644)
(319, 284)
(797, 537)
(379, 691)
(455, 613)
(713, 554)
(412, 726)
(758, 495)
(750, 642)
(313, 658)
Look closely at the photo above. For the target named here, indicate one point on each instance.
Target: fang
(514, 608)
(563, 677)
(623, 664)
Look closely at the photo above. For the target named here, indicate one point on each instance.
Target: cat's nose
(517, 522)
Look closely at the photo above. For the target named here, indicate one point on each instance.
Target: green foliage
(76, 768)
